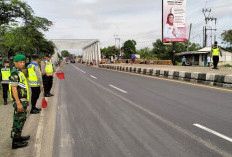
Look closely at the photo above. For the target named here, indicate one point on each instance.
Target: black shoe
(38, 109)
(47, 95)
(25, 138)
(17, 144)
(51, 94)
(34, 111)
(5, 101)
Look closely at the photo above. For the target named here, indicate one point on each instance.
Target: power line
(206, 28)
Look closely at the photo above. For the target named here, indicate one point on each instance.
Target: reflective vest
(215, 51)
(23, 91)
(32, 77)
(5, 74)
(49, 68)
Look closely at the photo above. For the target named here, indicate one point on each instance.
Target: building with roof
(199, 58)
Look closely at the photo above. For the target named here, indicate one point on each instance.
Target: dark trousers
(5, 88)
(215, 61)
(34, 96)
(47, 82)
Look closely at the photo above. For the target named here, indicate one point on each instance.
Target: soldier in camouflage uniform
(19, 93)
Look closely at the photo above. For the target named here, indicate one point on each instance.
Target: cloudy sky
(130, 19)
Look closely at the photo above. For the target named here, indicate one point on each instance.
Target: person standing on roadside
(19, 93)
(183, 60)
(47, 71)
(215, 51)
(208, 61)
(132, 58)
(5, 72)
(35, 81)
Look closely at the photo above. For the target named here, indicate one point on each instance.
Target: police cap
(35, 56)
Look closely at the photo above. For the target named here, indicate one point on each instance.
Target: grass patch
(178, 63)
(227, 65)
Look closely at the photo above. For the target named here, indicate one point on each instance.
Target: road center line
(93, 76)
(118, 89)
(213, 132)
(79, 69)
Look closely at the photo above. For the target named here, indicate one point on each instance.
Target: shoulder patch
(13, 71)
(15, 75)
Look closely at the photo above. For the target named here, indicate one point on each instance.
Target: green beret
(19, 58)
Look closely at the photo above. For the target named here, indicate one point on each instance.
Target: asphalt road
(104, 113)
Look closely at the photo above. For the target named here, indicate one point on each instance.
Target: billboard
(174, 21)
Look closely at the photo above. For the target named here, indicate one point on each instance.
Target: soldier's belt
(23, 99)
(22, 85)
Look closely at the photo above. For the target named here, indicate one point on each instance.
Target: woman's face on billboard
(171, 19)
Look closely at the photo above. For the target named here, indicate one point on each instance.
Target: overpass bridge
(90, 48)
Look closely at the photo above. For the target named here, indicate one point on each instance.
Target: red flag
(44, 103)
(60, 76)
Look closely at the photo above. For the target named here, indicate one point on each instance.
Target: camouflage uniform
(19, 118)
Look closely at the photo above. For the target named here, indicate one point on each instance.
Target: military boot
(38, 109)
(17, 143)
(34, 111)
(5, 101)
(24, 138)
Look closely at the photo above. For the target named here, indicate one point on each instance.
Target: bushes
(227, 65)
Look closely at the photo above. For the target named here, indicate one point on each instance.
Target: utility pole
(207, 13)
(118, 39)
(203, 44)
(190, 30)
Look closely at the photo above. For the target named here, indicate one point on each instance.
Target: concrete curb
(194, 77)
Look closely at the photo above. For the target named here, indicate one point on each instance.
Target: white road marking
(79, 69)
(57, 69)
(214, 132)
(39, 132)
(93, 76)
(118, 89)
(167, 122)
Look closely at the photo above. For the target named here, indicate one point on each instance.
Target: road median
(212, 79)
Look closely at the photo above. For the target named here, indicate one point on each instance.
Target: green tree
(227, 38)
(166, 52)
(110, 51)
(146, 53)
(26, 40)
(64, 53)
(194, 47)
(14, 9)
(129, 48)
(39, 23)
